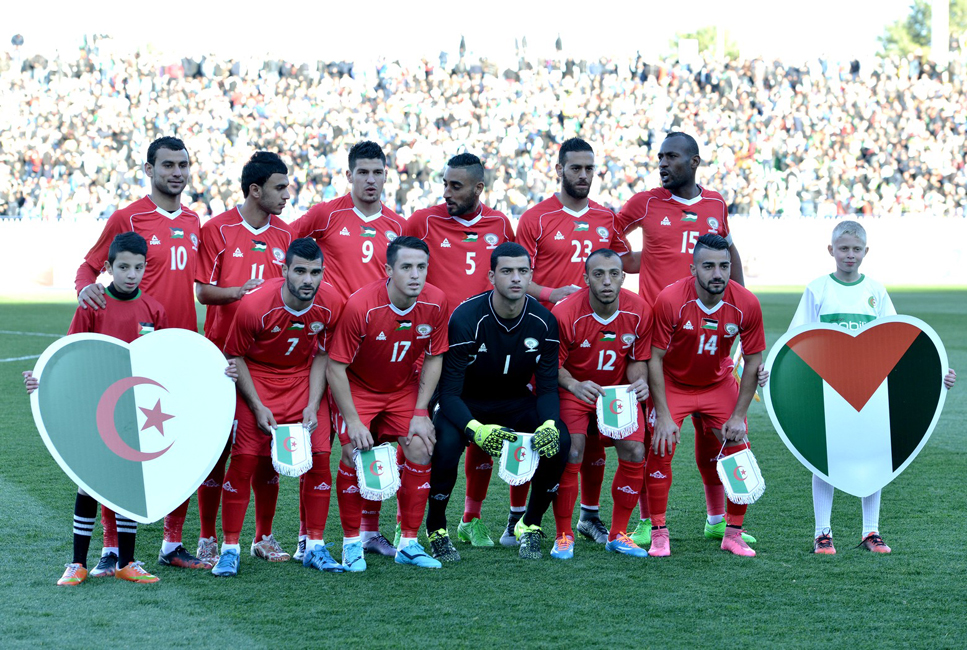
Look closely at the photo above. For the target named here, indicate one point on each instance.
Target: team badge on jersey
(713, 223)
(424, 329)
(390, 235)
(138, 426)
(491, 240)
(531, 344)
(872, 302)
(315, 327)
(194, 241)
(731, 329)
(628, 339)
(856, 407)
(602, 233)
(279, 255)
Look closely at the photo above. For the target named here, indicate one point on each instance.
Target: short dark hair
(365, 150)
(574, 144)
(508, 249)
(469, 162)
(304, 247)
(260, 168)
(691, 147)
(711, 241)
(601, 252)
(127, 242)
(392, 251)
(167, 142)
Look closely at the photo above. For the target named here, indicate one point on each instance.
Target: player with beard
(279, 339)
(672, 218)
(462, 231)
(172, 233)
(560, 233)
(696, 322)
(240, 249)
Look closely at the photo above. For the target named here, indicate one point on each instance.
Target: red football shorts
(386, 415)
(715, 403)
(286, 396)
(579, 416)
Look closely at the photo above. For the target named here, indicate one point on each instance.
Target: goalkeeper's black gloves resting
(490, 437)
(547, 439)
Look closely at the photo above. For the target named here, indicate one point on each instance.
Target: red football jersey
(459, 249)
(593, 349)
(383, 345)
(273, 338)
(697, 340)
(354, 245)
(169, 274)
(232, 253)
(559, 240)
(670, 227)
(123, 319)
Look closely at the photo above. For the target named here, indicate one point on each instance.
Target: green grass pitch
(699, 597)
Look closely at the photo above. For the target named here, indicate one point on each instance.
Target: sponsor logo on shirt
(276, 329)
(259, 246)
(580, 226)
(445, 243)
(345, 232)
(688, 325)
(558, 235)
(607, 337)
(367, 231)
(690, 217)
(155, 241)
(731, 329)
(710, 324)
(470, 237)
(491, 240)
(238, 253)
(483, 347)
(602, 233)
(381, 337)
(404, 325)
(177, 233)
(585, 344)
(146, 328)
(531, 344)
(666, 222)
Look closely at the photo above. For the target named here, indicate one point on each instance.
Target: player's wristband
(421, 413)
(545, 294)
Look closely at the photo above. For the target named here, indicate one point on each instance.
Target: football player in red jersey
(382, 394)
(672, 218)
(559, 233)
(240, 249)
(172, 233)
(462, 232)
(605, 341)
(279, 338)
(696, 322)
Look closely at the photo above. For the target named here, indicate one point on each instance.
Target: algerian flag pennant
(259, 246)
(518, 460)
(856, 407)
(291, 449)
(377, 472)
(741, 477)
(617, 412)
(138, 426)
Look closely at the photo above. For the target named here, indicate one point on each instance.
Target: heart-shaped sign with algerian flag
(856, 407)
(138, 426)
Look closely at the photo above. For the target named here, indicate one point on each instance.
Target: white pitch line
(32, 356)
(53, 336)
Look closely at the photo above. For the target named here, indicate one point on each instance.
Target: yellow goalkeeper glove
(490, 437)
(547, 439)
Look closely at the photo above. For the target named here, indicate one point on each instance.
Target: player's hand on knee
(640, 388)
(92, 296)
(948, 381)
(547, 439)
(666, 435)
(762, 375)
(490, 437)
(421, 427)
(232, 370)
(31, 382)
(359, 437)
(586, 391)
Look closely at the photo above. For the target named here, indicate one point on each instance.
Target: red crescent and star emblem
(520, 454)
(105, 419)
(376, 468)
(616, 406)
(290, 444)
(739, 473)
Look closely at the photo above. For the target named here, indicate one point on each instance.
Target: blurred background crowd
(819, 138)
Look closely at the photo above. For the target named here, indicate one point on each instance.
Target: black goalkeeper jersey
(491, 361)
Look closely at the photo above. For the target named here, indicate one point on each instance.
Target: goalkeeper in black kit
(500, 341)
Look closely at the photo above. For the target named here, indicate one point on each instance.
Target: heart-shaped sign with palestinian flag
(857, 407)
(137, 426)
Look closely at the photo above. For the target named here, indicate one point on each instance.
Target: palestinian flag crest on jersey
(367, 231)
(177, 233)
(690, 217)
(857, 408)
(259, 246)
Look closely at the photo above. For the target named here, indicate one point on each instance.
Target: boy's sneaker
(660, 543)
(475, 533)
(380, 546)
(626, 546)
(530, 540)
(319, 558)
(207, 550)
(74, 575)
(508, 538)
(734, 543)
(180, 557)
(105, 566)
(414, 555)
(823, 545)
(134, 572)
(441, 548)
(641, 535)
(352, 557)
(227, 565)
(563, 547)
(593, 529)
(717, 531)
(874, 543)
(269, 549)
(300, 550)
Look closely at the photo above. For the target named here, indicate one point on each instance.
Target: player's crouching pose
(499, 341)
(696, 322)
(279, 339)
(605, 341)
(386, 327)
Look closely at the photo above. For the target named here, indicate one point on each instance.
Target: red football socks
(315, 491)
(349, 500)
(623, 493)
(592, 471)
(414, 491)
(567, 494)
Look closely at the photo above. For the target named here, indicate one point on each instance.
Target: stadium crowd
(817, 140)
